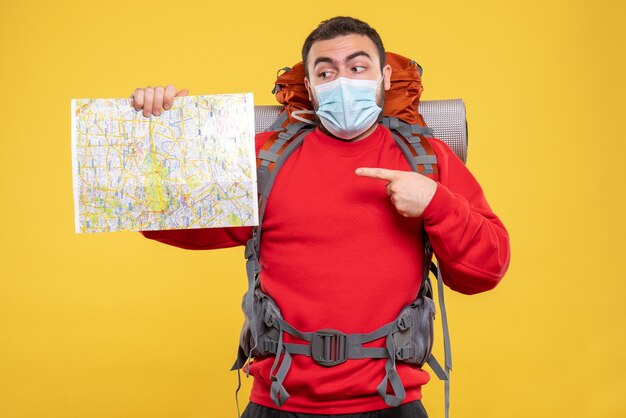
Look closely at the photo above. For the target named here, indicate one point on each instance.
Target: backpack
(409, 338)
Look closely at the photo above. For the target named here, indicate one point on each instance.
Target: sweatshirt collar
(345, 148)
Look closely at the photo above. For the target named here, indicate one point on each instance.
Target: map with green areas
(193, 166)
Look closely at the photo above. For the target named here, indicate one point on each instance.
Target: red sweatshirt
(336, 254)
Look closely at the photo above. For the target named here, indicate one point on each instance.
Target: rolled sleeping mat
(446, 118)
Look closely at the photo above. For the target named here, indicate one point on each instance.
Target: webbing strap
(428, 257)
(405, 150)
(392, 377)
(283, 137)
(271, 155)
(253, 266)
(446, 338)
(353, 352)
(357, 338)
(421, 130)
(436, 367)
(443, 373)
(285, 326)
(426, 159)
(444, 317)
(402, 134)
(446, 384)
(278, 123)
(237, 392)
(294, 135)
(252, 269)
(267, 156)
(278, 393)
(354, 342)
(406, 136)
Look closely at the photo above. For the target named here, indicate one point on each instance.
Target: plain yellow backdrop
(117, 326)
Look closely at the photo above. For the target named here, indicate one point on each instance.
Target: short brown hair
(340, 26)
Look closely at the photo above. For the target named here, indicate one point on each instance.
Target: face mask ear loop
(295, 114)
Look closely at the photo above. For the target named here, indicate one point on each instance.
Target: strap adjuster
(403, 353)
(270, 346)
(328, 347)
(403, 323)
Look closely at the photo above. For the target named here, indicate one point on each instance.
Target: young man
(342, 244)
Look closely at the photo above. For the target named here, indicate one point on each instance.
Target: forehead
(341, 47)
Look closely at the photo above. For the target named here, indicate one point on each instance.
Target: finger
(182, 93)
(157, 105)
(376, 173)
(168, 99)
(137, 98)
(147, 102)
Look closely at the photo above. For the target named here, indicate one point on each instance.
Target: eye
(323, 74)
(358, 68)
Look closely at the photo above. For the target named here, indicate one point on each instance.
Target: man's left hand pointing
(410, 192)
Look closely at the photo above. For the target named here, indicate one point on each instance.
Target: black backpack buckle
(328, 347)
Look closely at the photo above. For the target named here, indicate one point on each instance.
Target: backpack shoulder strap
(412, 140)
(270, 159)
(276, 150)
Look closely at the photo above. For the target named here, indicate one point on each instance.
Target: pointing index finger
(376, 173)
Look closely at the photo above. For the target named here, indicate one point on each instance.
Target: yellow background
(113, 325)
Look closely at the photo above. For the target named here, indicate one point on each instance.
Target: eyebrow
(348, 58)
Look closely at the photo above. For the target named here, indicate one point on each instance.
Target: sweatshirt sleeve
(207, 238)
(470, 242)
(202, 238)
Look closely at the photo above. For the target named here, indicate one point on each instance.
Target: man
(342, 246)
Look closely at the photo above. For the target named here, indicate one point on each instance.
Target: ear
(308, 87)
(387, 76)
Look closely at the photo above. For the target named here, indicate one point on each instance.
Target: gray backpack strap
(325, 352)
(331, 347)
(392, 377)
(278, 393)
(278, 123)
(410, 142)
(443, 373)
(265, 180)
(291, 138)
(418, 156)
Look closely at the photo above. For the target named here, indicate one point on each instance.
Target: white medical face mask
(347, 107)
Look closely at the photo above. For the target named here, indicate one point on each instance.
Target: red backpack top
(401, 100)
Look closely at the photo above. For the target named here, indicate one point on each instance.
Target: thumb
(183, 92)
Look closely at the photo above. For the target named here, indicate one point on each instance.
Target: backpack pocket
(267, 328)
(414, 338)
